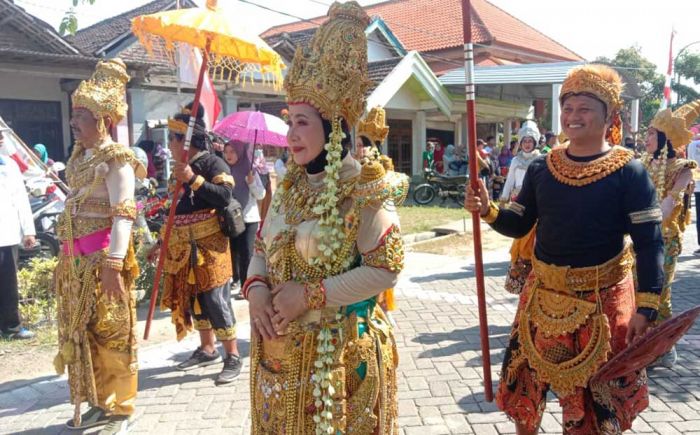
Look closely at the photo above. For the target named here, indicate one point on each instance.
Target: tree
(687, 67)
(69, 23)
(643, 71)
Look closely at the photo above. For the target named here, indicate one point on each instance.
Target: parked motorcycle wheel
(424, 194)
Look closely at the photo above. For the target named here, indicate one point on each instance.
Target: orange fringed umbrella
(232, 52)
(231, 48)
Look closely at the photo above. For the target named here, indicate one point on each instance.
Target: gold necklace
(572, 173)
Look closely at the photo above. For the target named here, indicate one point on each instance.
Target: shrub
(37, 301)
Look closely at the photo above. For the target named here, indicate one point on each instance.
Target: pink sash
(89, 244)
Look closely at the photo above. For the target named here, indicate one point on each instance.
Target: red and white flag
(190, 60)
(666, 102)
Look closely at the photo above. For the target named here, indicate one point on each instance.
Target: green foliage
(36, 292)
(643, 71)
(69, 23)
(687, 67)
(144, 282)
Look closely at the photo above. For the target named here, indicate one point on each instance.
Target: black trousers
(9, 294)
(242, 252)
(216, 312)
(697, 214)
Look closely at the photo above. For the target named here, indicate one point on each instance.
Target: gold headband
(177, 126)
(675, 125)
(374, 125)
(600, 81)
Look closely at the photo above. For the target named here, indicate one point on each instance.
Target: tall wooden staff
(473, 179)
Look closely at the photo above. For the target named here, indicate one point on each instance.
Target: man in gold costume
(673, 180)
(579, 307)
(323, 355)
(96, 267)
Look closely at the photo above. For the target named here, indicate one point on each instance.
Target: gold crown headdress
(374, 125)
(103, 94)
(331, 73)
(675, 125)
(599, 80)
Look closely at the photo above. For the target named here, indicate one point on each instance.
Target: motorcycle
(438, 185)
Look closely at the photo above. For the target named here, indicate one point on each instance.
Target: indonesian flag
(666, 102)
(190, 64)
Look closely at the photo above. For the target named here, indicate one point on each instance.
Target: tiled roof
(423, 26)
(93, 38)
(377, 71)
(24, 32)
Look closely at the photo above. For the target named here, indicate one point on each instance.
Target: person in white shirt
(281, 166)
(248, 190)
(694, 154)
(16, 226)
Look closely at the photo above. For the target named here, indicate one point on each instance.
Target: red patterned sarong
(611, 408)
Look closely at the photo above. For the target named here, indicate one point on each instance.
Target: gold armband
(223, 178)
(315, 295)
(647, 300)
(114, 263)
(126, 209)
(197, 183)
(389, 254)
(492, 214)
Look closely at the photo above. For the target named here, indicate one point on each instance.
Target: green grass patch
(417, 219)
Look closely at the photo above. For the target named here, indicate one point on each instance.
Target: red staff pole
(473, 180)
(176, 192)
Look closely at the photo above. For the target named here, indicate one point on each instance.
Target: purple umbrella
(253, 127)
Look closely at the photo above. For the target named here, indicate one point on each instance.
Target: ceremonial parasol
(231, 51)
(253, 127)
(470, 90)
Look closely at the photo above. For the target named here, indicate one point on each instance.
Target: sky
(590, 28)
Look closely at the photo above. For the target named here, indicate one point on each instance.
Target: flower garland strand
(331, 234)
(323, 388)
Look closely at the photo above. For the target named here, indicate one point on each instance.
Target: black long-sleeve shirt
(214, 193)
(585, 225)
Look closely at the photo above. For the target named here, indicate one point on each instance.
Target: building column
(634, 116)
(137, 106)
(419, 141)
(230, 104)
(507, 134)
(464, 130)
(556, 126)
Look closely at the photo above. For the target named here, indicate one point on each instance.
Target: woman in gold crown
(323, 356)
(96, 267)
(673, 180)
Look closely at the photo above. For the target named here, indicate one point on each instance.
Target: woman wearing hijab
(248, 190)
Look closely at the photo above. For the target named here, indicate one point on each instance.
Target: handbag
(231, 219)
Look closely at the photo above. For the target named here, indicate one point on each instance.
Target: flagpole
(473, 180)
(176, 192)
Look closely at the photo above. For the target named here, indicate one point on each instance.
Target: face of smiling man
(584, 119)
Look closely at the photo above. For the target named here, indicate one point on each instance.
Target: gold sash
(555, 308)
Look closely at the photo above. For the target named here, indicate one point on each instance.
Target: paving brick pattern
(441, 389)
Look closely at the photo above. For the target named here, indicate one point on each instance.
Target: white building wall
(149, 105)
(29, 87)
(377, 49)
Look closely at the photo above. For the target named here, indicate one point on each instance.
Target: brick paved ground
(441, 388)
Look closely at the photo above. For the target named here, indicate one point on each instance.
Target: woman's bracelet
(114, 263)
(249, 283)
(315, 295)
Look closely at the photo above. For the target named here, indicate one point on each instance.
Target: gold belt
(576, 279)
(196, 231)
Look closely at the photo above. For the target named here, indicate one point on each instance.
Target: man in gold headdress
(673, 180)
(96, 267)
(578, 306)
